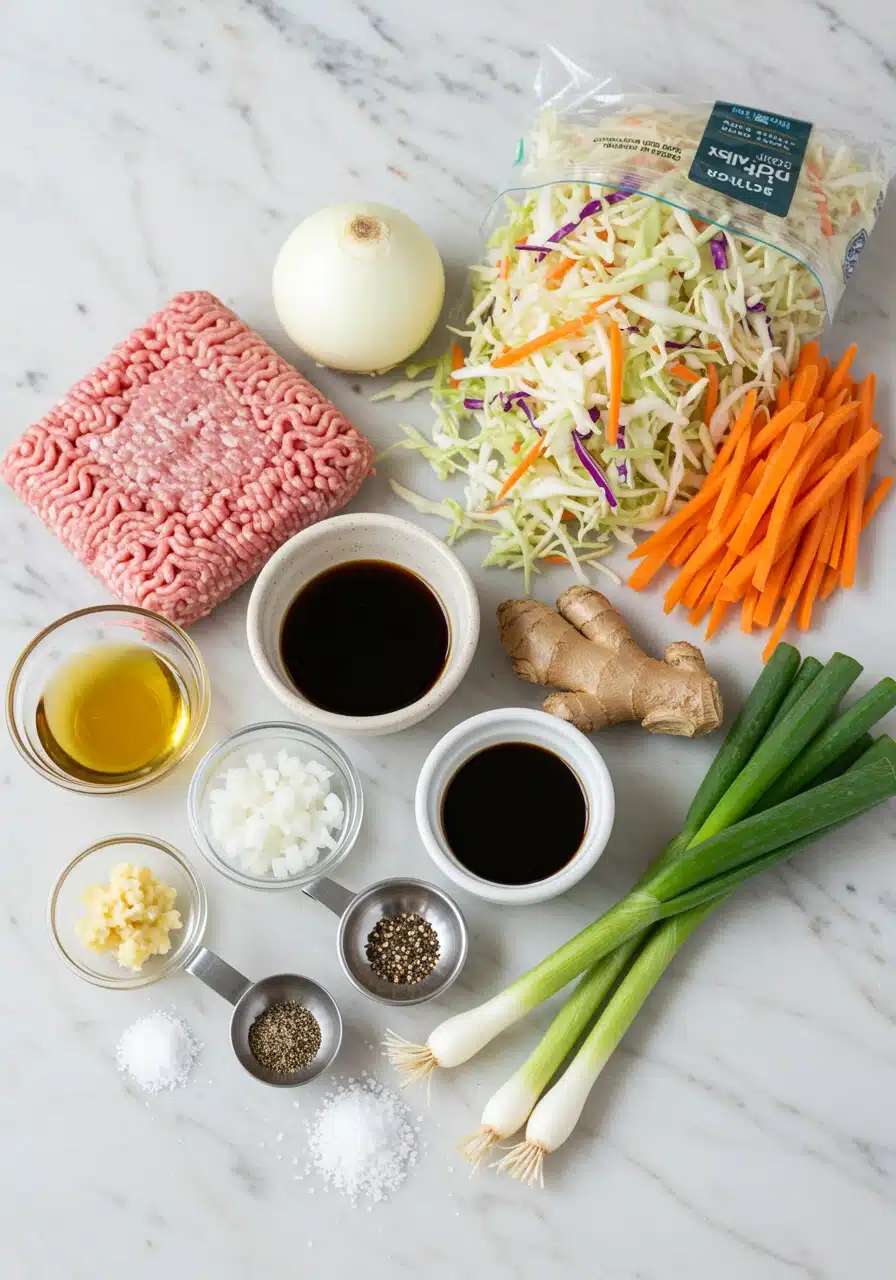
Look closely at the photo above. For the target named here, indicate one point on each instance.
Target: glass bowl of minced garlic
(127, 912)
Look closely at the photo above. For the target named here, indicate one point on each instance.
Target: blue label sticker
(752, 156)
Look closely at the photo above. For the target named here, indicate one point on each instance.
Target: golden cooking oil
(112, 713)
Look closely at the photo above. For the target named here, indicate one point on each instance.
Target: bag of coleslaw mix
(667, 254)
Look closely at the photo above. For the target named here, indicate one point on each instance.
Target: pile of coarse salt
(360, 1140)
(157, 1051)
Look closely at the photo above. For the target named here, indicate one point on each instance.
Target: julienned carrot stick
(735, 468)
(688, 545)
(775, 475)
(712, 392)
(521, 468)
(513, 355)
(807, 507)
(771, 592)
(829, 583)
(800, 572)
(615, 383)
(555, 559)
(457, 360)
(831, 515)
(504, 268)
(648, 569)
(840, 375)
(717, 617)
(855, 487)
(804, 384)
(700, 580)
(683, 372)
(876, 498)
(836, 552)
(787, 495)
(809, 354)
(783, 398)
(748, 610)
(710, 545)
(716, 477)
(723, 567)
(818, 442)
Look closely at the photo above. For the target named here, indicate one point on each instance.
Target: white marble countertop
(746, 1129)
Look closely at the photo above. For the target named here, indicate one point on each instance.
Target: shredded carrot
(513, 355)
(522, 467)
(856, 486)
(821, 200)
(516, 446)
(556, 274)
(555, 559)
(748, 610)
(716, 617)
(735, 468)
(840, 376)
(800, 572)
(504, 268)
(876, 498)
(457, 360)
(566, 516)
(712, 392)
(615, 383)
(682, 371)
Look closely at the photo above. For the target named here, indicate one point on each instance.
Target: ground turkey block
(177, 467)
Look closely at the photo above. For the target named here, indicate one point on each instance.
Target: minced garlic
(131, 916)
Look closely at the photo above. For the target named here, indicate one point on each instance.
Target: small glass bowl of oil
(107, 699)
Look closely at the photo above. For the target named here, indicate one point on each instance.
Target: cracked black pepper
(403, 948)
(285, 1038)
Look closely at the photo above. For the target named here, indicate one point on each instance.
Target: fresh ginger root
(586, 649)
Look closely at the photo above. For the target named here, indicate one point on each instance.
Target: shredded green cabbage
(674, 304)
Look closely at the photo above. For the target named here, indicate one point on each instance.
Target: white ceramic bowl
(366, 536)
(515, 724)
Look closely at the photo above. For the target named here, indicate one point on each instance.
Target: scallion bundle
(789, 770)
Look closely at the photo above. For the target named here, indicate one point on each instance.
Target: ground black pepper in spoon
(285, 1037)
(403, 948)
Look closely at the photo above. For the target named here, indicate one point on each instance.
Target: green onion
(808, 671)
(460, 1037)
(783, 744)
(508, 1108)
(845, 761)
(838, 737)
(556, 1114)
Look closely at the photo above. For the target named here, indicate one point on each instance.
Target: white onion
(358, 287)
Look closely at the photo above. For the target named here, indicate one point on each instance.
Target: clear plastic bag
(826, 185)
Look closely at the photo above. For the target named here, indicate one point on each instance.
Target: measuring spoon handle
(219, 975)
(332, 894)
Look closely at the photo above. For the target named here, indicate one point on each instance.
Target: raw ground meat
(177, 467)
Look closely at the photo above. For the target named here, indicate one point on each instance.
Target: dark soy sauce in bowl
(365, 638)
(514, 813)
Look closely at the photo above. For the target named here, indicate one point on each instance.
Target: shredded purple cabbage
(592, 207)
(471, 403)
(534, 248)
(755, 306)
(621, 465)
(594, 414)
(615, 196)
(676, 346)
(719, 251)
(632, 328)
(563, 231)
(593, 469)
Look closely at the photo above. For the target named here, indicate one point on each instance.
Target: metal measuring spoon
(250, 999)
(360, 912)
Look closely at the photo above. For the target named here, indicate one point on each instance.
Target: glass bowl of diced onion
(275, 805)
